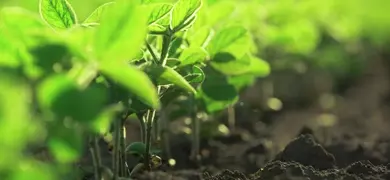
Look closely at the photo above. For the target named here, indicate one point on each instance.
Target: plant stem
(149, 116)
(164, 132)
(115, 165)
(123, 146)
(195, 131)
(165, 47)
(155, 59)
(231, 118)
(156, 129)
(151, 113)
(141, 119)
(97, 150)
(95, 159)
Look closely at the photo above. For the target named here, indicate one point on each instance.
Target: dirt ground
(349, 140)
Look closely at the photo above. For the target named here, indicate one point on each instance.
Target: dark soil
(293, 144)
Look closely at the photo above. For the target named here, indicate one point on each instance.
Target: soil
(349, 140)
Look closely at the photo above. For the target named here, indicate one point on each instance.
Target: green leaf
(15, 115)
(176, 47)
(57, 13)
(65, 143)
(97, 13)
(227, 64)
(63, 97)
(170, 75)
(201, 37)
(121, 32)
(242, 81)
(158, 12)
(171, 94)
(30, 169)
(18, 29)
(219, 12)
(104, 120)
(134, 80)
(192, 55)
(183, 11)
(136, 148)
(196, 75)
(139, 148)
(226, 38)
(259, 67)
(46, 56)
(210, 91)
(172, 62)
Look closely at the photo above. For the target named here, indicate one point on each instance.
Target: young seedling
(127, 57)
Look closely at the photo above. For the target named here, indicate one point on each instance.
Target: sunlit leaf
(134, 80)
(201, 37)
(220, 11)
(183, 11)
(121, 32)
(58, 13)
(159, 11)
(97, 13)
(225, 38)
(170, 75)
(259, 67)
(227, 64)
(192, 55)
(17, 27)
(15, 117)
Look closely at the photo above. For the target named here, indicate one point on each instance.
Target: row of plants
(66, 80)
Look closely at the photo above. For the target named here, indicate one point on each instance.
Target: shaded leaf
(136, 148)
(62, 96)
(171, 94)
(65, 144)
(196, 75)
(216, 92)
(48, 55)
(104, 120)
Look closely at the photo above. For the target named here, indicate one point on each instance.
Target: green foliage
(183, 12)
(121, 23)
(72, 79)
(96, 15)
(58, 13)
